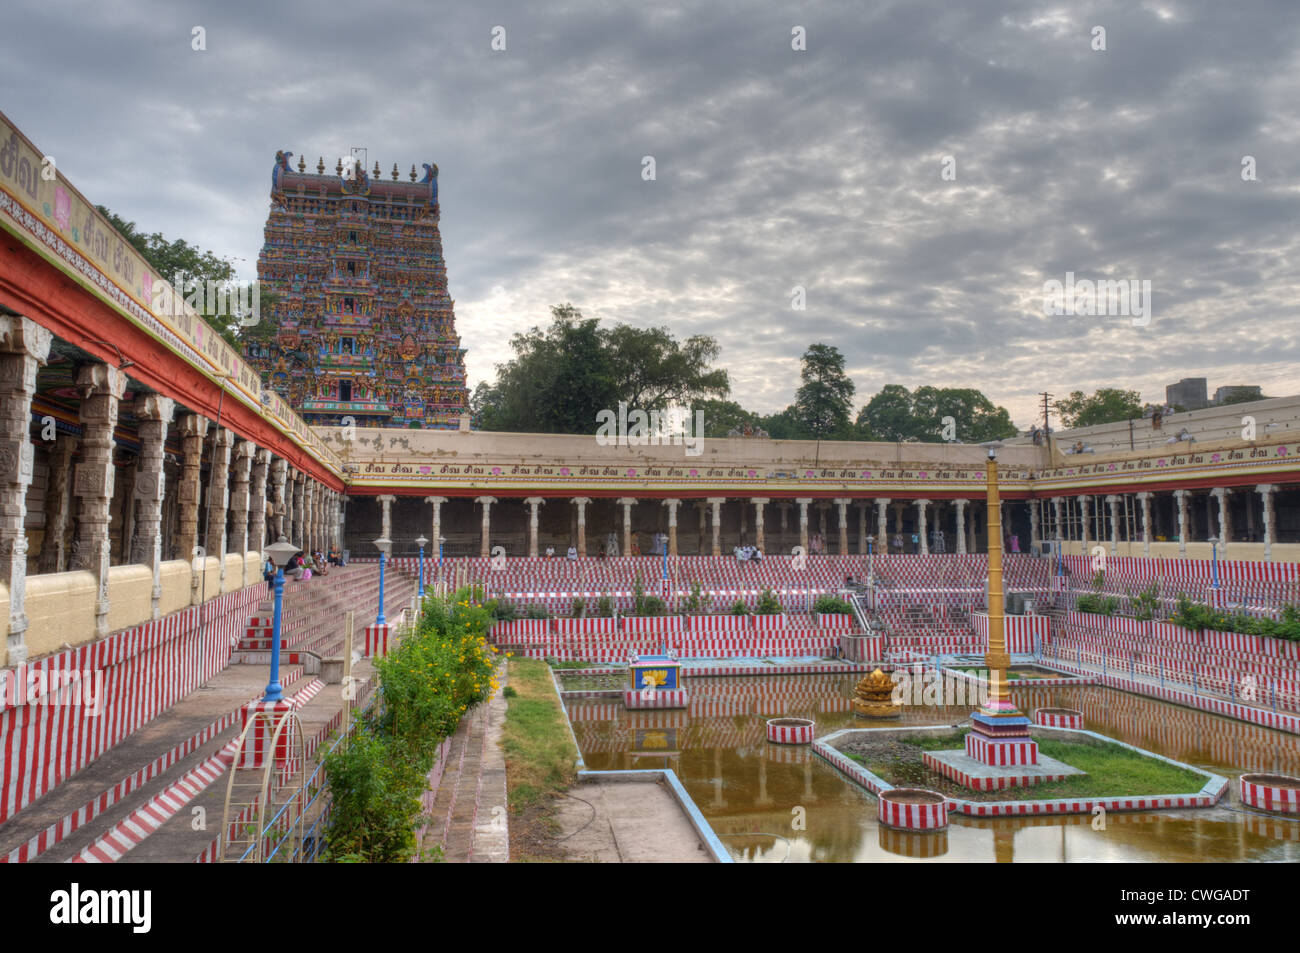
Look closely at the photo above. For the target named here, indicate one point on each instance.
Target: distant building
(1190, 393)
(1237, 393)
(363, 325)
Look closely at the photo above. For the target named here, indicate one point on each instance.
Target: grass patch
(540, 756)
(1112, 770)
(556, 663)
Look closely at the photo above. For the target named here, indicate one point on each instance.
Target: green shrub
(433, 675)
(698, 601)
(832, 605)
(768, 603)
(739, 608)
(578, 608)
(605, 607)
(536, 610)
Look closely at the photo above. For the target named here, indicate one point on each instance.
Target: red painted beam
(31, 286)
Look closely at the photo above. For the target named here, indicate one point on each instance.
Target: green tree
(888, 415)
(723, 416)
(1107, 406)
(897, 414)
(1242, 397)
(557, 382)
(653, 370)
(824, 399)
(178, 262)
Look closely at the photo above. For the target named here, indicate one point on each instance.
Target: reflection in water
(780, 803)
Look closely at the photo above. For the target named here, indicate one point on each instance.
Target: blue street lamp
(385, 546)
(421, 542)
(281, 552)
(1214, 561)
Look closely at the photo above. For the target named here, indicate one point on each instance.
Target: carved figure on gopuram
(361, 324)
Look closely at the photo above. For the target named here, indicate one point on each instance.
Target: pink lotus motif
(631, 472)
(1215, 458)
(1111, 467)
(426, 469)
(807, 473)
(62, 207)
(1069, 473)
(695, 473)
(564, 471)
(923, 474)
(1281, 451)
(496, 471)
(866, 474)
(1160, 463)
(751, 473)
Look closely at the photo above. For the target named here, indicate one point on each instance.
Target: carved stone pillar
(101, 390)
(1034, 507)
(533, 503)
(279, 506)
(862, 529)
(581, 503)
(882, 524)
(437, 502)
(1222, 494)
(154, 414)
(485, 547)
(386, 520)
(759, 540)
(240, 475)
(1180, 498)
(193, 430)
(961, 525)
(1083, 521)
(24, 347)
(1145, 499)
(1266, 491)
(921, 526)
(715, 504)
(257, 500)
(627, 502)
(1058, 524)
(672, 525)
(296, 517)
(803, 522)
(219, 498)
(843, 506)
(1114, 524)
(57, 505)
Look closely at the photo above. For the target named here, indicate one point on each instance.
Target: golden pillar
(996, 658)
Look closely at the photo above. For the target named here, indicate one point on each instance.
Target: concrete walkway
(626, 822)
(466, 800)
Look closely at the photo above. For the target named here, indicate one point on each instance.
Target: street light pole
(281, 552)
(383, 544)
(421, 542)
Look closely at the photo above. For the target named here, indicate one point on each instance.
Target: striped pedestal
(668, 698)
(913, 809)
(909, 844)
(1001, 752)
(257, 744)
(1059, 718)
(1271, 792)
(790, 731)
(376, 639)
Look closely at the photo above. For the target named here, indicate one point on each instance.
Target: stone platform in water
(960, 767)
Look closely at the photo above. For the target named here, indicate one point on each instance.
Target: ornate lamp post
(421, 542)
(1214, 561)
(385, 546)
(280, 552)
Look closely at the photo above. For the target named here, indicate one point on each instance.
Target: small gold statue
(874, 697)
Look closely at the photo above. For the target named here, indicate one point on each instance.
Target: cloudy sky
(774, 168)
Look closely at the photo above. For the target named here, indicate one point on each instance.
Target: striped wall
(145, 670)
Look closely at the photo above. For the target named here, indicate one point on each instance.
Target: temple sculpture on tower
(361, 324)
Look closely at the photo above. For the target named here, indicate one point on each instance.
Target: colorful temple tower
(362, 325)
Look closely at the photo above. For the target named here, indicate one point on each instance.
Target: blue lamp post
(1214, 561)
(281, 552)
(421, 542)
(385, 546)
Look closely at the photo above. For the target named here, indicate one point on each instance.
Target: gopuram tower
(361, 325)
